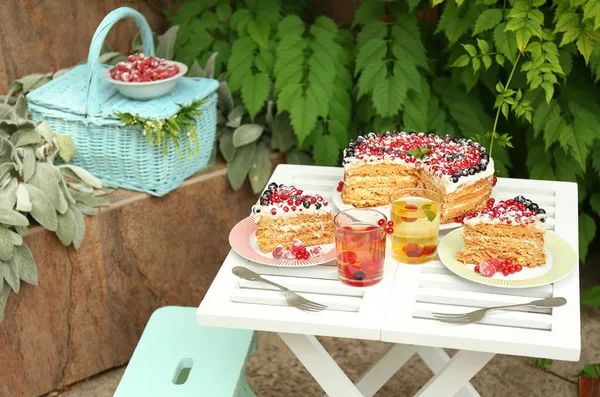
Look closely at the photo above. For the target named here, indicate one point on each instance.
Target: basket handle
(94, 74)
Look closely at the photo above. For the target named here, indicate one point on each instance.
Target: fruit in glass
(360, 246)
(416, 216)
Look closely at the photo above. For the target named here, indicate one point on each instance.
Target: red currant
(290, 202)
(339, 188)
(494, 181)
(518, 268)
(490, 203)
(299, 192)
(273, 211)
(390, 224)
(389, 230)
(313, 200)
(505, 272)
(285, 209)
(381, 222)
(511, 269)
(508, 261)
(293, 208)
(476, 269)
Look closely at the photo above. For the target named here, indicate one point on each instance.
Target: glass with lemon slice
(416, 216)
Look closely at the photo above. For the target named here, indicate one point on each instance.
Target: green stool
(177, 358)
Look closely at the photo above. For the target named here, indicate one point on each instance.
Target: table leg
(320, 365)
(436, 358)
(390, 361)
(455, 374)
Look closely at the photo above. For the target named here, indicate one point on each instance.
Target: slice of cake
(511, 229)
(377, 165)
(285, 213)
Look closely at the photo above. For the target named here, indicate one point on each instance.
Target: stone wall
(91, 306)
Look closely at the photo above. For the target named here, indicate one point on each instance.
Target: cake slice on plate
(285, 213)
(512, 229)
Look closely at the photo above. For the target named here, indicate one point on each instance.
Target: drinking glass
(416, 216)
(360, 246)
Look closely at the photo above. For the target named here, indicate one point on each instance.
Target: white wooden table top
(398, 309)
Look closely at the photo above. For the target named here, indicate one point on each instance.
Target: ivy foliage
(516, 75)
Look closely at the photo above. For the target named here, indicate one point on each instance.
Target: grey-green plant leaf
(269, 116)
(282, 129)
(45, 180)
(47, 133)
(238, 167)
(84, 175)
(16, 238)
(8, 194)
(234, 119)
(22, 230)
(225, 99)
(66, 147)
(79, 231)
(6, 245)
(260, 168)
(12, 218)
(226, 145)
(89, 199)
(26, 264)
(195, 70)
(42, 209)
(106, 58)
(4, 292)
(209, 69)
(6, 168)
(26, 136)
(65, 229)
(29, 163)
(246, 134)
(166, 43)
(86, 209)
(33, 81)
(11, 275)
(298, 157)
(20, 108)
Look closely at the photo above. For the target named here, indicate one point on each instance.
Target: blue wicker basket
(82, 104)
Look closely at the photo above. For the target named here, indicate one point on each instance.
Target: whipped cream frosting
(280, 201)
(451, 161)
(519, 211)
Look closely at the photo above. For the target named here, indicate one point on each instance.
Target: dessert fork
(292, 298)
(478, 315)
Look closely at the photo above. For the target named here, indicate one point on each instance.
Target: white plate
(336, 198)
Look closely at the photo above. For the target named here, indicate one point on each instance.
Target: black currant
(349, 153)
(306, 203)
(264, 201)
(526, 202)
(477, 168)
(472, 171)
(540, 211)
(534, 207)
(318, 205)
(359, 275)
(454, 179)
(272, 186)
(519, 199)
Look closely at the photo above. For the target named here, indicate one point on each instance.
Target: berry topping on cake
(279, 252)
(450, 157)
(519, 211)
(280, 200)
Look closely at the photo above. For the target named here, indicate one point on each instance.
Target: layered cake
(512, 229)
(377, 165)
(285, 213)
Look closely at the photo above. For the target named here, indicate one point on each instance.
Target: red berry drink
(360, 246)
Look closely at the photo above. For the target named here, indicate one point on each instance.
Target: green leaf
(587, 231)
(487, 20)
(418, 153)
(26, 136)
(523, 36)
(12, 218)
(389, 95)
(84, 175)
(89, 199)
(260, 167)
(6, 246)
(11, 275)
(290, 25)
(470, 48)
(543, 362)
(407, 44)
(430, 215)
(65, 229)
(298, 157)
(45, 180)
(303, 114)
(476, 64)
(591, 297)
(326, 150)
(368, 11)
(66, 147)
(487, 61)
(461, 61)
(226, 145)
(4, 292)
(42, 209)
(8, 194)
(591, 371)
(374, 72)
(259, 32)
(505, 42)
(247, 133)
(483, 45)
(255, 90)
(586, 128)
(79, 231)
(375, 51)
(586, 41)
(416, 109)
(549, 89)
(595, 202)
(283, 132)
(237, 169)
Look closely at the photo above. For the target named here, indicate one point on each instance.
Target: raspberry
(487, 269)
(279, 252)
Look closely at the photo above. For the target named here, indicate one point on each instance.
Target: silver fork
(478, 315)
(292, 298)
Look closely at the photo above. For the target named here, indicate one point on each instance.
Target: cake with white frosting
(377, 165)
(285, 213)
(512, 229)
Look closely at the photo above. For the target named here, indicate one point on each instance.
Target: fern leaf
(255, 90)
(389, 94)
(487, 20)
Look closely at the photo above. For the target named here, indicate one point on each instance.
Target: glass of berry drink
(416, 216)
(360, 246)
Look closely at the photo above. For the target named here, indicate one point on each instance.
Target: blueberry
(470, 142)
(371, 135)
(360, 139)
(264, 201)
(412, 133)
(485, 157)
(543, 219)
(359, 275)
(534, 207)
(272, 186)
(527, 202)
(476, 144)
(306, 203)
(387, 133)
(483, 166)
(266, 194)
(472, 171)
(477, 168)
(464, 172)
(349, 153)
(540, 211)
(352, 145)
(256, 210)
(431, 135)
(318, 205)
(454, 179)
(519, 199)
(281, 186)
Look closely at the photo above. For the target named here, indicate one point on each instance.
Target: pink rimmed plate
(242, 239)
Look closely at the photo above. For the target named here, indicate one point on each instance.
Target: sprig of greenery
(160, 131)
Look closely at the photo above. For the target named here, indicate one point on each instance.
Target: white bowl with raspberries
(145, 77)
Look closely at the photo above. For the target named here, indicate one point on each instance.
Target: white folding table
(399, 308)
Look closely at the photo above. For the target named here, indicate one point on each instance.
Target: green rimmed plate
(561, 259)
